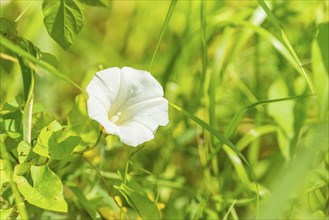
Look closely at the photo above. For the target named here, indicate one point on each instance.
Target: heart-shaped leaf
(47, 190)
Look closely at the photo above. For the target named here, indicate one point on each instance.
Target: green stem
(127, 167)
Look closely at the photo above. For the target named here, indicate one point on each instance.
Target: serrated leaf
(49, 142)
(23, 151)
(47, 190)
(63, 20)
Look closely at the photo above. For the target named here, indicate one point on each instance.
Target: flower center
(116, 117)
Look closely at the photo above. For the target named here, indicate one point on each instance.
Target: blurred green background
(215, 59)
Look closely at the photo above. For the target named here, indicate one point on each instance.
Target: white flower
(128, 103)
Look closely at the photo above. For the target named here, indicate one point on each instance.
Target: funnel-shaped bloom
(128, 103)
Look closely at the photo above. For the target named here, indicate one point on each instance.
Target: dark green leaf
(7, 27)
(323, 41)
(63, 20)
(47, 190)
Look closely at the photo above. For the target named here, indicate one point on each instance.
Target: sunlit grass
(247, 83)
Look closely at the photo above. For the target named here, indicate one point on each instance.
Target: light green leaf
(39, 121)
(5, 213)
(323, 42)
(23, 151)
(63, 20)
(49, 142)
(47, 190)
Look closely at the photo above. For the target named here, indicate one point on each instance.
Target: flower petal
(134, 133)
(135, 86)
(105, 86)
(152, 113)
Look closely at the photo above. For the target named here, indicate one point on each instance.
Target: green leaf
(63, 20)
(84, 202)
(11, 118)
(323, 42)
(23, 151)
(49, 58)
(47, 190)
(7, 27)
(6, 213)
(49, 142)
(143, 205)
(39, 121)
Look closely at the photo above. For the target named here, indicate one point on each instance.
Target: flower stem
(127, 166)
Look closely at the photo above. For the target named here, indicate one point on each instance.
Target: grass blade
(221, 138)
(164, 28)
(284, 39)
(237, 117)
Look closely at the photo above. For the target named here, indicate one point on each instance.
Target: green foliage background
(248, 131)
